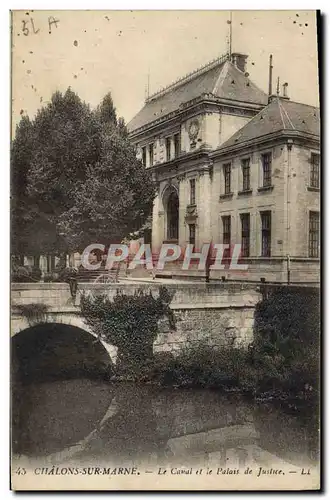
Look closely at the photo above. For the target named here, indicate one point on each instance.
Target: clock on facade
(193, 129)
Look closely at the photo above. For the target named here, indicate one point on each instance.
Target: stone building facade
(234, 165)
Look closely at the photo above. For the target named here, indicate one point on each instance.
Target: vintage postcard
(165, 250)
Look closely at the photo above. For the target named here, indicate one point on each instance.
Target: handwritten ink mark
(51, 21)
(34, 30)
(26, 30)
(75, 43)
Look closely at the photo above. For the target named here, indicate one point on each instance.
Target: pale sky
(99, 51)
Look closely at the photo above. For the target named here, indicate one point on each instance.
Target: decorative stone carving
(193, 131)
(191, 214)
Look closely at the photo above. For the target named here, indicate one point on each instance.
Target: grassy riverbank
(282, 363)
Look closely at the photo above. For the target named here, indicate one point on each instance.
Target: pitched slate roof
(280, 114)
(220, 78)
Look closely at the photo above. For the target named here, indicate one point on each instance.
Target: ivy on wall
(130, 322)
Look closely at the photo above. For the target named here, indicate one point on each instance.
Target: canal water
(86, 420)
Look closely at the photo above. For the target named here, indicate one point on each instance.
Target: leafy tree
(122, 129)
(75, 179)
(107, 111)
(115, 198)
(21, 155)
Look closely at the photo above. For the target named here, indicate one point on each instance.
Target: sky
(95, 52)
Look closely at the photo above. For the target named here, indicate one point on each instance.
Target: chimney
(270, 84)
(285, 91)
(239, 60)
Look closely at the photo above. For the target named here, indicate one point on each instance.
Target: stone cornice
(302, 137)
(204, 102)
(184, 158)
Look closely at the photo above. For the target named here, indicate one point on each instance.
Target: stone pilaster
(204, 206)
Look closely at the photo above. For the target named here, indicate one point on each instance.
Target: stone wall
(216, 314)
(214, 327)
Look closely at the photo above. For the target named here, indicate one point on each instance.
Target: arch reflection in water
(146, 425)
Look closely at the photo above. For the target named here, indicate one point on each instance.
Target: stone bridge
(216, 314)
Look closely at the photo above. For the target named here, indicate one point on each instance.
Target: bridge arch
(20, 323)
(55, 350)
(57, 358)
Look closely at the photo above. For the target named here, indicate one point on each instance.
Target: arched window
(173, 216)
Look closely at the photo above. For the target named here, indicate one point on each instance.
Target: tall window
(168, 148)
(266, 160)
(173, 216)
(192, 191)
(227, 177)
(151, 154)
(192, 234)
(246, 174)
(226, 234)
(177, 145)
(315, 171)
(314, 234)
(266, 227)
(245, 223)
(144, 156)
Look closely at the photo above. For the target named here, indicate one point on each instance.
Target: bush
(20, 275)
(51, 277)
(228, 368)
(287, 340)
(26, 274)
(66, 273)
(36, 273)
(32, 311)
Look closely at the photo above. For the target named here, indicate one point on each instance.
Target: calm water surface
(82, 420)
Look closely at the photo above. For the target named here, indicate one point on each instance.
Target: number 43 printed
(20, 471)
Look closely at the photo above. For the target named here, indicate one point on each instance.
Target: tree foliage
(75, 178)
(106, 111)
